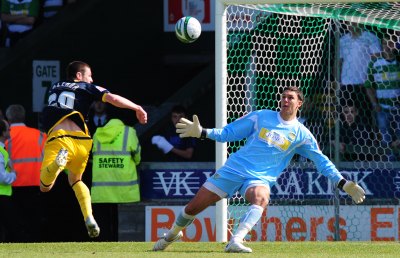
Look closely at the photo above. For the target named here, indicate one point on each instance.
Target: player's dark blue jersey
(66, 97)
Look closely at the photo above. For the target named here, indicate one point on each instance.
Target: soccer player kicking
(272, 138)
(69, 143)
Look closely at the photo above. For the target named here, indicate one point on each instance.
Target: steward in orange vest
(25, 148)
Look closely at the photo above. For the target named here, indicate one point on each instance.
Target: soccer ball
(187, 29)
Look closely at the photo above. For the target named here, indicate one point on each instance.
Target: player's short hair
(3, 126)
(75, 67)
(15, 113)
(299, 93)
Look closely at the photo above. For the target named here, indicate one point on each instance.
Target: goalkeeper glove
(354, 190)
(187, 128)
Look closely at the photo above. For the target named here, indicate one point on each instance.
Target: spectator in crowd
(169, 142)
(98, 116)
(383, 90)
(272, 139)
(25, 147)
(356, 140)
(356, 49)
(19, 17)
(116, 153)
(69, 143)
(7, 177)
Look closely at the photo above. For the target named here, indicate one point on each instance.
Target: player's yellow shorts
(78, 145)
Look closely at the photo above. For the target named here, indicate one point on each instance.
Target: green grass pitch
(201, 249)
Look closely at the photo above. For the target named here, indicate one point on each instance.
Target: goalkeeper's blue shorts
(225, 183)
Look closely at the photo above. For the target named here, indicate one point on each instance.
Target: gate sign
(45, 73)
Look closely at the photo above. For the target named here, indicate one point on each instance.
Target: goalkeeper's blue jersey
(271, 142)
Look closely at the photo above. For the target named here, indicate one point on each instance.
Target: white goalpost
(221, 220)
(262, 46)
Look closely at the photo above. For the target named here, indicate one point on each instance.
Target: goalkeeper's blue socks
(181, 222)
(248, 221)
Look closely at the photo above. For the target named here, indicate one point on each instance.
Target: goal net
(344, 57)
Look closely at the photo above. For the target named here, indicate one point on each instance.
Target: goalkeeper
(272, 138)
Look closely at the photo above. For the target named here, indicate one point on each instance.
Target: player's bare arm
(121, 102)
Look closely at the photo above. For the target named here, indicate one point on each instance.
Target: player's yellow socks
(82, 194)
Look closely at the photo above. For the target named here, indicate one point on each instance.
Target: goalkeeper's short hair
(299, 93)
